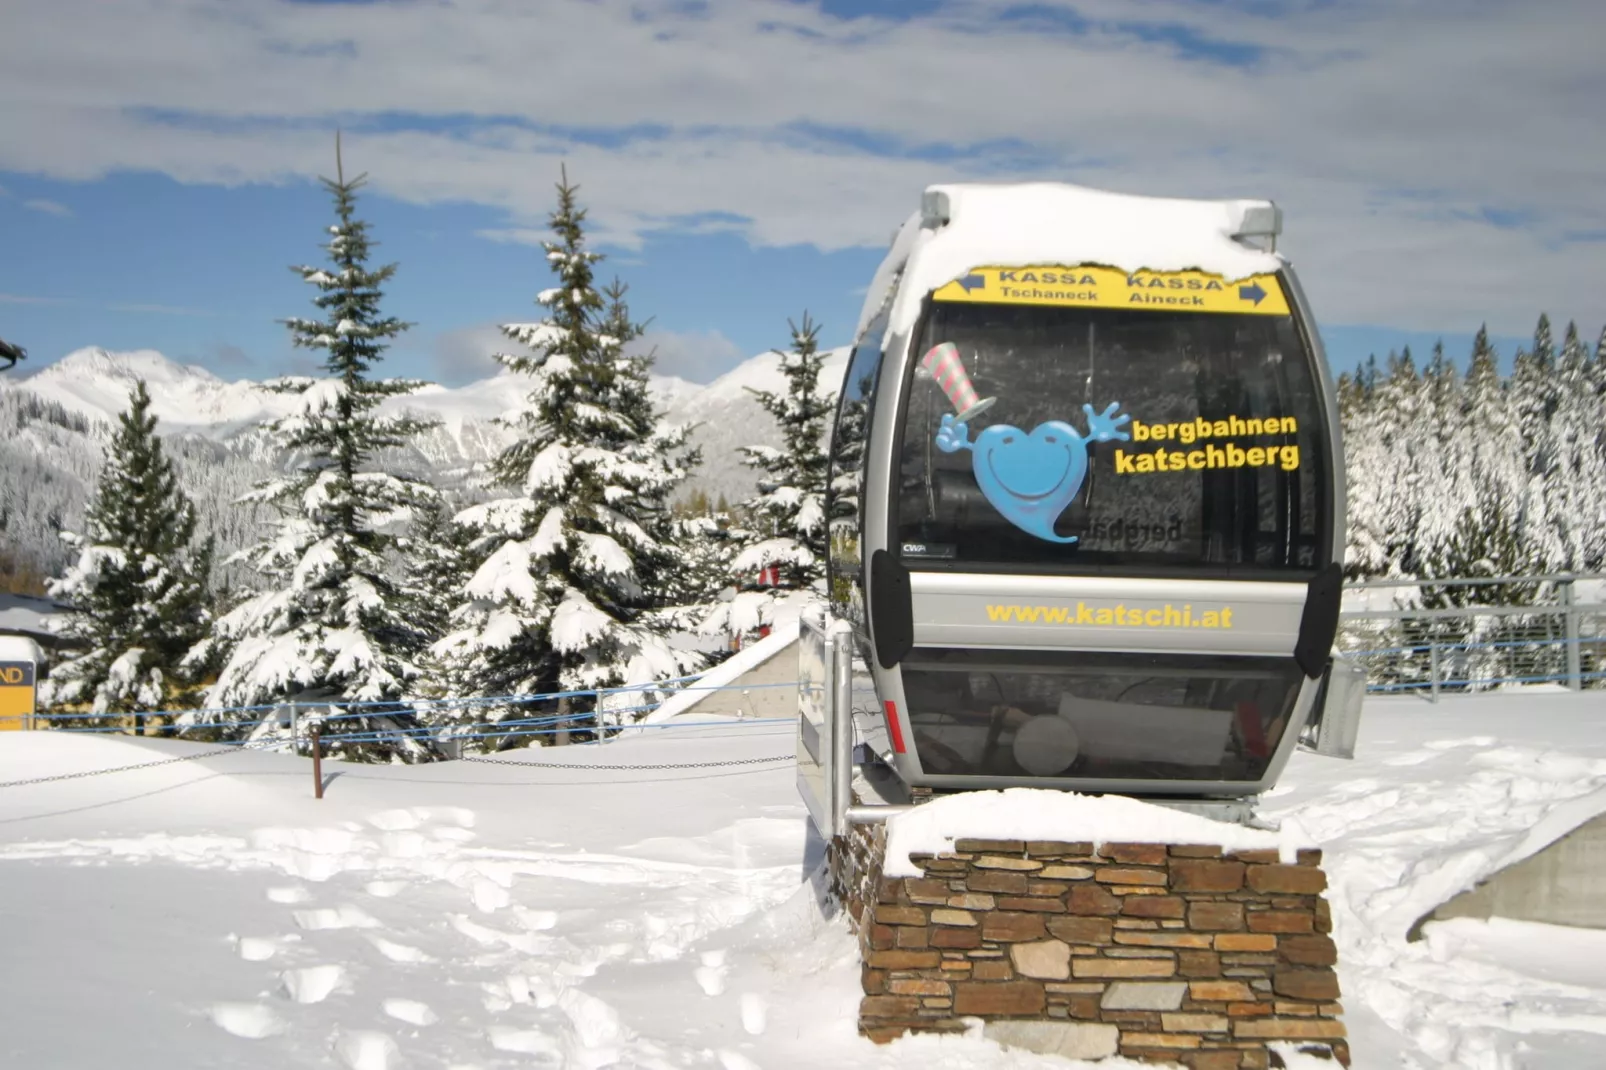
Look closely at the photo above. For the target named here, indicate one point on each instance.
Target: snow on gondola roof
(1021, 224)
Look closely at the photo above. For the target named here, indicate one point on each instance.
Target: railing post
(1433, 668)
(1569, 616)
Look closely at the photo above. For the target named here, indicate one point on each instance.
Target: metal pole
(1433, 668)
(841, 786)
(1575, 671)
(874, 815)
(317, 762)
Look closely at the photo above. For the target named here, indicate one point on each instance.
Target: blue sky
(745, 160)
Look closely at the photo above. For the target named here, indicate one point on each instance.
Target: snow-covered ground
(212, 913)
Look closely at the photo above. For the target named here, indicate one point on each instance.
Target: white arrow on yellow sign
(1103, 287)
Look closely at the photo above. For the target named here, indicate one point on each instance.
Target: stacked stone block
(1178, 954)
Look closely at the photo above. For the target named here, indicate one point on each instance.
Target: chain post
(1575, 668)
(1433, 669)
(317, 760)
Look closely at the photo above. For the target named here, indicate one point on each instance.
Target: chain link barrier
(235, 748)
(232, 748)
(629, 768)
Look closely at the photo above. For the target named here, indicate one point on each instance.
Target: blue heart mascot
(1029, 477)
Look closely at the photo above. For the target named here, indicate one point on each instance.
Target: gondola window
(1064, 439)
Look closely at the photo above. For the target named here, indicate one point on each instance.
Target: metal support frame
(825, 729)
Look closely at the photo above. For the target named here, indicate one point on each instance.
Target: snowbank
(1037, 814)
(592, 906)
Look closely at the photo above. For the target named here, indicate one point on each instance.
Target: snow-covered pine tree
(1573, 495)
(333, 620)
(783, 568)
(1446, 467)
(441, 553)
(664, 451)
(1534, 396)
(1372, 531)
(558, 601)
(139, 586)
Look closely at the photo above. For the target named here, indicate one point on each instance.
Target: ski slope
(465, 915)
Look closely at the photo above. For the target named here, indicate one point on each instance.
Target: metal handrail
(1532, 609)
(1477, 581)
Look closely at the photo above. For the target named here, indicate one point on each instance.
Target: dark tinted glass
(1098, 715)
(849, 440)
(1223, 465)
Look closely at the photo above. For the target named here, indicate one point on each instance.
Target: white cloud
(39, 204)
(1385, 130)
(464, 354)
(696, 356)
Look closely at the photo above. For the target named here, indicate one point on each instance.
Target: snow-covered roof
(727, 672)
(22, 614)
(1032, 223)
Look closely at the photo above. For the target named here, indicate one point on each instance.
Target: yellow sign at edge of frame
(1091, 286)
(16, 696)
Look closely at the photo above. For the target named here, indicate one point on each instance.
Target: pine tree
(662, 449)
(1576, 496)
(1446, 464)
(333, 618)
(558, 601)
(784, 566)
(139, 587)
(440, 551)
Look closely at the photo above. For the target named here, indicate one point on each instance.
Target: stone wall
(1172, 954)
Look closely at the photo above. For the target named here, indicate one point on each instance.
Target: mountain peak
(122, 368)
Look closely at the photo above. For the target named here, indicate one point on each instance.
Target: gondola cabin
(1087, 495)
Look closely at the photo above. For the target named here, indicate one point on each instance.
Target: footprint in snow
(536, 920)
(384, 889)
(261, 948)
(523, 1041)
(294, 894)
(710, 976)
(410, 1011)
(342, 917)
(755, 1013)
(488, 895)
(250, 1020)
(365, 1050)
(312, 984)
(396, 820)
(735, 1060)
(398, 952)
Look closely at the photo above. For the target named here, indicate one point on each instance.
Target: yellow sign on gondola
(16, 694)
(1102, 287)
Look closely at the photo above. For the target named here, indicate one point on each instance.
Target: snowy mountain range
(188, 399)
(53, 425)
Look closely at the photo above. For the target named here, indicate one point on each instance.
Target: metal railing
(1466, 635)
